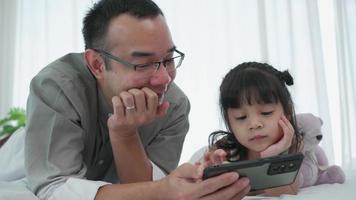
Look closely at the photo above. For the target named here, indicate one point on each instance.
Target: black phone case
(263, 173)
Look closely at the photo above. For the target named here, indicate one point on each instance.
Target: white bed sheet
(18, 191)
(345, 191)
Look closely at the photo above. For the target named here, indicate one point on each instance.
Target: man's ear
(95, 63)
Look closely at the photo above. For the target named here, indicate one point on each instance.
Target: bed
(319, 192)
(17, 190)
(343, 191)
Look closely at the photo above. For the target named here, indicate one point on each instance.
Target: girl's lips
(258, 137)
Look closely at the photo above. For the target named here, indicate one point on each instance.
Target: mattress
(343, 191)
(18, 191)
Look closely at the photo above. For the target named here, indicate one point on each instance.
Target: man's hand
(185, 183)
(134, 108)
(284, 143)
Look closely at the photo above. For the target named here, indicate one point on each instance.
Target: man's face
(137, 41)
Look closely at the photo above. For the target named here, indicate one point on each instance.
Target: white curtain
(346, 62)
(311, 38)
(8, 11)
(295, 35)
(46, 30)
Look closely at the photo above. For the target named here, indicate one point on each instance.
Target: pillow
(12, 157)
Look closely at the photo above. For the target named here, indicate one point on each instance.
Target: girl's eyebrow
(269, 104)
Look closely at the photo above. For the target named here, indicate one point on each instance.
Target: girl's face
(256, 126)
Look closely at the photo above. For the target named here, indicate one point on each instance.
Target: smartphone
(263, 173)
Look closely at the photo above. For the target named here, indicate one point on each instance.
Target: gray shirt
(67, 134)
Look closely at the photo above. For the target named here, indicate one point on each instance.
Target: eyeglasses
(170, 64)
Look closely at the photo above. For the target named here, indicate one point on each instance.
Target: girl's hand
(211, 158)
(284, 143)
(215, 157)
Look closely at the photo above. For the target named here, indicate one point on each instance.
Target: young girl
(258, 112)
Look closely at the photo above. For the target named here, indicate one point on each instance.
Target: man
(113, 114)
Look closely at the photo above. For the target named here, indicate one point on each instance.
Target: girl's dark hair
(96, 21)
(247, 83)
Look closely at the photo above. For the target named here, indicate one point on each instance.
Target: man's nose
(161, 76)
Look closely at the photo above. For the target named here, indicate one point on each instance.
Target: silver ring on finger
(130, 107)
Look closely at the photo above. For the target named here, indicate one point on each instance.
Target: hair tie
(286, 77)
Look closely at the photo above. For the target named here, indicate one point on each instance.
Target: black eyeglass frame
(157, 64)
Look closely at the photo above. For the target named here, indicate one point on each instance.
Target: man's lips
(160, 98)
(162, 94)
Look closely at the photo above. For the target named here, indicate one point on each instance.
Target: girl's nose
(255, 123)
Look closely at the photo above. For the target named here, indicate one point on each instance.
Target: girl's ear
(290, 113)
(289, 117)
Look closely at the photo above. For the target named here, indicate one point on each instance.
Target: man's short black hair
(96, 21)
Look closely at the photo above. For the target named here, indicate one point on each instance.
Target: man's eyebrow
(141, 54)
(146, 54)
(171, 49)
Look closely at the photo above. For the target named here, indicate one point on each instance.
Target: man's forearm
(143, 190)
(132, 164)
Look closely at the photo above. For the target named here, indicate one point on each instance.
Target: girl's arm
(288, 189)
(291, 189)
